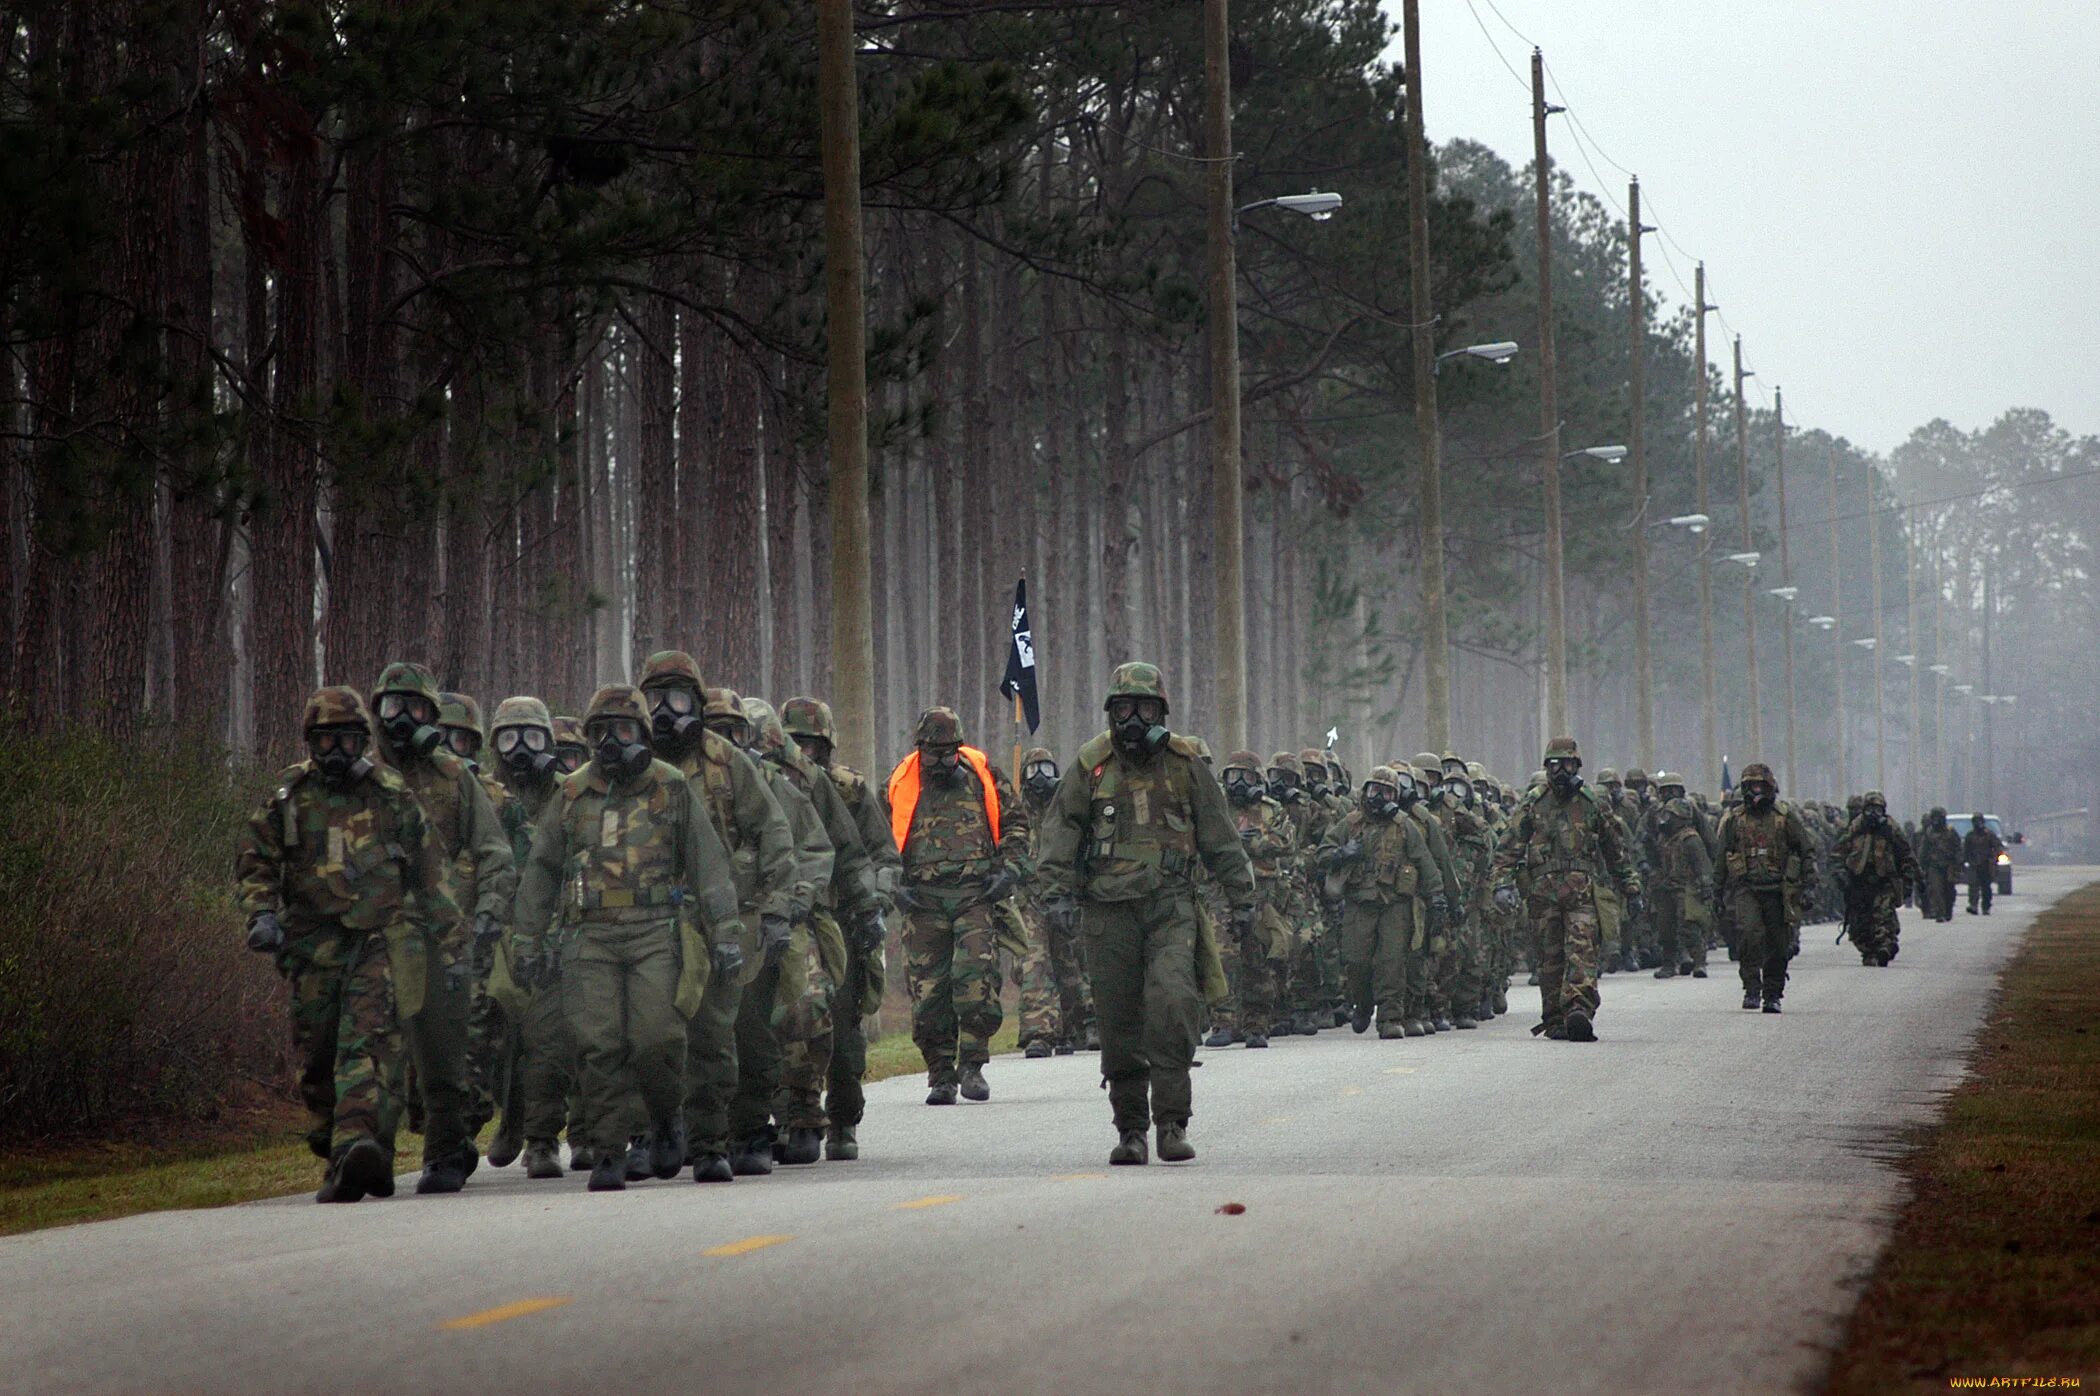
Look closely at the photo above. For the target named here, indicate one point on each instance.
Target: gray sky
(1898, 203)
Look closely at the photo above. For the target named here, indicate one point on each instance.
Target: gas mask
(818, 750)
(1139, 726)
(1564, 776)
(1039, 781)
(1759, 796)
(409, 721)
(1381, 801)
(1407, 793)
(570, 758)
(1875, 815)
(339, 753)
(1242, 786)
(942, 763)
(1457, 793)
(733, 730)
(674, 716)
(1285, 785)
(525, 754)
(621, 752)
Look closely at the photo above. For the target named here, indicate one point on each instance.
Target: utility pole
(1549, 413)
(1910, 639)
(1709, 721)
(1941, 781)
(1436, 652)
(1786, 579)
(1742, 490)
(1637, 380)
(846, 386)
(1989, 783)
(1231, 636)
(1837, 629)
(1881, 752)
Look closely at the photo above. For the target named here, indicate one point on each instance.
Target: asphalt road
(1685, 1205)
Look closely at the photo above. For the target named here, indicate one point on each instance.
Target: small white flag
(1332, 737)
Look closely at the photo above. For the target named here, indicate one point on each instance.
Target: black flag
(1020, 660)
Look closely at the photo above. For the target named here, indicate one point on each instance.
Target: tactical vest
(346, 853)
(623, 848)
(1141, 820)
(711, 764)
(438, 782)
(1566, 837)
(1760, 856)
(1265, 835)
(1870, 855)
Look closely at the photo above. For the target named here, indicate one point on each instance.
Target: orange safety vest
(904, 794)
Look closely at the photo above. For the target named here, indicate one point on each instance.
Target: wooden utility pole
(1881, 750)
(1742, 492)
(846, 388)
(1230, 640)
(1549, 414)
(1837, 628)
(1709, 720)
(1786, 580)
(1910, 638)
(1637, 379)
(1941, 781)
(1436, 643)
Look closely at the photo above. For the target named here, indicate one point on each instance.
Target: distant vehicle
(1961, 824)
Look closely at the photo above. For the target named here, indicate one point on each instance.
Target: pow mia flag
(1020, 660)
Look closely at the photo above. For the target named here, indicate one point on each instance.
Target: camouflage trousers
(545, 1073)
(1936, 897)
(437, 1045)
(1375, 957)
(805, 1019)
(1456, 969)
(844, 1102)
(488, 1040)
(1252, 964)
(619, 983)
(1983, 883)
(1567, 946)
(1871, 922)
(1056, 1005)
(1764, 938)
(1142, 958)
(345, 1038)
(951, 968)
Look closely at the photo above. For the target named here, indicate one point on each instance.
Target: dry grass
(1994, 1270)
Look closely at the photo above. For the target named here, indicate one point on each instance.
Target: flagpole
(1019, 723)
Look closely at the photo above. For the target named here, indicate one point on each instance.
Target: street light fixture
(1823, 622)
(1499, 352)
(1745, 559)
(1317, 206)
(1784, 593)
(1941, 669)
(1695, 522)
(1905, 660)
(1964, 688)
(1613, 454)
(1867, 642)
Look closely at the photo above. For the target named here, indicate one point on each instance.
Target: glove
(1061, 911)
(265, 934)
(869, 932)
(773, 935)
(1441, 907)
(487, 931)
(1636, 906)
(728, 959)
(1242, 922)
(1001, 885)
(525, 971)
(905, 900)
(1506, 898)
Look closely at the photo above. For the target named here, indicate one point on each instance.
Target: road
(1685, 1205)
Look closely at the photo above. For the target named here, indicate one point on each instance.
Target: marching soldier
(1765, 857)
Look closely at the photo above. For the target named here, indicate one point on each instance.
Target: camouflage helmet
(460, 711)
(617, 700)
(1477, 773)
(568, 731)
(1608, 775)
(1563, 749)
(769, 735)
(1636, 776)
(1852, 804)
(1034, 755)
(1429, 766)
(809, 717)
(521, 711)
(1136, 680)
(938, 727)
(1243, 761)
(1676, 810)
(1937, 815)
(404, 677)
(1384, 775)
(1450, 756)
(1757, 770)
(1312, 759)
(1874, 797)
(1284, 761)
(337, 706)
(671, 669)
(721, 702)
(1537, 781)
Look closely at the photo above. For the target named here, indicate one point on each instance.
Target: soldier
(963, 835)
(480, 877)
(571, 752)
(1454, 965)
(1939, 852)
(747, 820)
(1682, 883)
(1566, 842)
(1879, 866)
(1428, 1006)
(1611, 912)
(1765, 858)
(342, 880)
(808, 721)
(1980, 848)
(1057, 1010)
(648, 909)
(1252, 959)
(1378, 863)
(488, 1031)
(1314, 977)
(1635, 804)
(1129, 823)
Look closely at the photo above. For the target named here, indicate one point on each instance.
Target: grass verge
(260, 1155)
(1994, 1270)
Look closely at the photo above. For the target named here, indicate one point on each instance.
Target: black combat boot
(712, 1168)
(1221, 1037)
(840, 1145)
(1443, 1023)
(1255, 1039)
(582, 1158)
(356, 1172)
(445, 1175)
(1282, 1027)
(1360, 1021)
(1174, 1146)
(1389, 1030)
(1464, 1022)
(1750, 1000)
(609, 1173)
(1064, 1047)
(974, 1086)
(752, 1156)
(509, 1141)
(802, 1145)
(667, 1149)
(1579, 1027)
(943, 1094)
(1502, 998)
(542, 1161)
(1667, 972)
(1038, 1049)
(637, 1162)
(1130, 1149)
(1772, 1003)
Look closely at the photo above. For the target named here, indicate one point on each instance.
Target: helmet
(1136, 680)
(1476, 772)
(666, 668)
(721, 702)
(1401, 768)
(1383, 775)
(1874, 797)
(459, 710)
(568, 731)
(765, 724)
(403, 677)
(1429, 765)
(939, 727)
(1608, 775)
(1243, 761)
(338, 706)
(808, 717)
(1035, 755)
(1758, 770)
(522, 711)
(617, 700)
(1636, 776)
(1977, 821)
(1313, 759)
(1284, 761)
(1562, 749)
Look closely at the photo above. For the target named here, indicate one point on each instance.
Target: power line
(1470, 8)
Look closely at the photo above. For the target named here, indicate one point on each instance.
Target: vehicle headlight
(2004, 858)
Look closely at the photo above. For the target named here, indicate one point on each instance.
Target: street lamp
(1941, 669)
(1823, 622)
(1965, 689)
(1866, 642)
(1613, 454)
(1317, 206)
(1906, 660)
(1500, 352)
(1696, 523)
(1744, 559)
(1784, 593)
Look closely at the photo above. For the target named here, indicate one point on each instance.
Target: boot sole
(364, 1169)
(1579, 1029)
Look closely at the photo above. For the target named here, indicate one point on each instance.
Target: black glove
(1061, 911)
(1001, 885)
(1506, 898)
(869, 933)
(265, 934)
(525, 971)
(905, 899)
(1242, 922)
(487, 931)
(729, 959)
(1442, 908)
(1636, 906)
(1347, 852)
(774, 933)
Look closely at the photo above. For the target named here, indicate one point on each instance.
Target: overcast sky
(1898, 203)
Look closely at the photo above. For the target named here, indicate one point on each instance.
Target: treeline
(492, 333)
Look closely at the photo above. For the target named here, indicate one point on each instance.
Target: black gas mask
(674, 716)
(1285, 786)
(1408, 792)
(339, 753)
(1138, 725)
(941, 763)
(526, 753)
(410, 723)
(1759, 796)
(734, 730)
(1039, 781)
(1456, 793)
(1564, 775)
(569, 758)
(622, 752)
(1875, 815)
(1315, 785)
(1381, 801)
(1242, 786)
(818, 750)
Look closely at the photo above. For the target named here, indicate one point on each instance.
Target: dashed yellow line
(746, 1246)
(503, 1313)
(1352, 1090)
(937, 1200)
(1400, 1071)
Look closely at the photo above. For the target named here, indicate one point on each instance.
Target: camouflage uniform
(1428, 996)
(1765, 860)
(488, 1030)
(1682, 886)
(1454, 963)
(1980, 848)
(1878, 866)
(1378, 865)
(1566, 843)
(1312, 978)
(1131, 819)
(480, 877)
(1939, 853)
(648, 914)
(1252, 958)
(355, 877)
(1057, 1007)
(957, 869)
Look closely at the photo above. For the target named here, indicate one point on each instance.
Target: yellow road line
(502, 1313)
(1399, 1071)
(937, 1200)
(1352, 1090)
(746, 1246)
